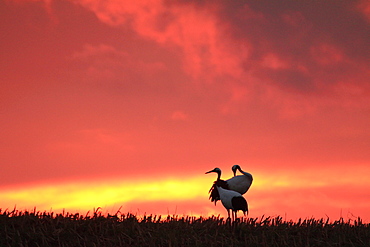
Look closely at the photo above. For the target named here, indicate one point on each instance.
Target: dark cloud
(294, 30)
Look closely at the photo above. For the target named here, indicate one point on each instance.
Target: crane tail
(214, 195)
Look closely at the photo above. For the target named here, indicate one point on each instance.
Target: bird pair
(230, 191)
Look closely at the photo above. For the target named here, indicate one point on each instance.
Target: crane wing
(214, 195)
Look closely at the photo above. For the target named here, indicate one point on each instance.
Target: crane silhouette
(233, 201)
(239, 183)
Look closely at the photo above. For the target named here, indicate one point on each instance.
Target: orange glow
(109, 104)
(89, 194)
(278, 194)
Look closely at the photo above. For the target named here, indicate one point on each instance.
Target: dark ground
(48, 229)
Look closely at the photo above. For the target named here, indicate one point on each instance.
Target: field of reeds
(35, 228)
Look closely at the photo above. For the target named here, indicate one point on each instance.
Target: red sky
(109, 104)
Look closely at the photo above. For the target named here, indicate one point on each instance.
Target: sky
(126, 105)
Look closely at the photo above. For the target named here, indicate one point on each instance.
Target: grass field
(25, 228)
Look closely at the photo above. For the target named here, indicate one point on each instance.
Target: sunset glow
(125, 106)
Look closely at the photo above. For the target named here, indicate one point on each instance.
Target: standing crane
(241, 183)
(214, 194)
(233, 201)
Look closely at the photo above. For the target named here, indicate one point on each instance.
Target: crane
(233, 201)
(240, 183)
(214, 195)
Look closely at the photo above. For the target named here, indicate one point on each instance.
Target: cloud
(195, 30)
(107, 63)
(179, 116)
(96, 141)
(254, 46)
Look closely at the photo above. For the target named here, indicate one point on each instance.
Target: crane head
(217, 170)
(235, 168)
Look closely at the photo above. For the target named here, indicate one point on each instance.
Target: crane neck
(218, 175)
(245, 173)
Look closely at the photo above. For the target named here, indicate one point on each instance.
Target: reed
(36, 228)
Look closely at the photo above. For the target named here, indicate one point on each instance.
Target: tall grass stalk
(36, 228)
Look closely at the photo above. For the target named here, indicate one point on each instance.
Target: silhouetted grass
(24, 228)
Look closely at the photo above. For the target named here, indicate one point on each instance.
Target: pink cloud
(196, 31)
(247, 54)
(274, 62)
(107, 64)
(179, 115)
